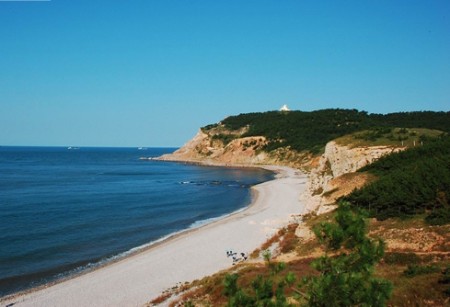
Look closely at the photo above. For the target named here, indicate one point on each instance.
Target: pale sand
(194, 254)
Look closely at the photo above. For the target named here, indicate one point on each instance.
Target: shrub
(401, 258)
(346, 276)
(414, 270)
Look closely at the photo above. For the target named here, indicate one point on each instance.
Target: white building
(284, 108)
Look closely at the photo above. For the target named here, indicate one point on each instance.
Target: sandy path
(137, 279)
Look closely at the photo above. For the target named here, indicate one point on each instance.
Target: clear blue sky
(150, 73)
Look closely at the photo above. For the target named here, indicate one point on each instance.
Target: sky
(151, 73)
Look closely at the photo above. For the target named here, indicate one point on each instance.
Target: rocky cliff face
(335, 176)
(207, 149)
(218, 146)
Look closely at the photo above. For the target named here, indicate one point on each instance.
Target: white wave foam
(200, 223)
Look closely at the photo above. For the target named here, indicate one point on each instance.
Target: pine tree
(346, 270)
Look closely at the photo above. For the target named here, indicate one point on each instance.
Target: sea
(65, 210)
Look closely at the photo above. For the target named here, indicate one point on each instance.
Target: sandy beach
(139, 278)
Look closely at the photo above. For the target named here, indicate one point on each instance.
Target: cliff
(334, 174)
(227, 147)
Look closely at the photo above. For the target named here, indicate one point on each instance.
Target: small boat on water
(73, 148)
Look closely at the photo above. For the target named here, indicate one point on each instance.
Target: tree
(346, 270)
(266, 291)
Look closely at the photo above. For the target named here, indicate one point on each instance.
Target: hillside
(406, 190)
(295, 138)
(410, 183)
(396, 166)
(310, 131)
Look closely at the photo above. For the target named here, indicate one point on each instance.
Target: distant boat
(73, 148)
(142, 148)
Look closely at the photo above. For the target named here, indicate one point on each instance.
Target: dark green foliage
(411, 182)
(209, 126)
(312, 130)
(439, 216)
(230, 284)
(189, 304)
(445, 279)
(265, 290)
(224, 138)
(424, 119)
(401, 258)
(299, 130)
(237, 296)
(346, 277)
(374, 133)
(414, 270)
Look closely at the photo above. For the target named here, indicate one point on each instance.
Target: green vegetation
(345, 272)
(445, 280)
(414, 270)
(265, 291)
(401, 258)
(385, 136)
(224, 138)
(409, 183)
(310, 131)
(346, 275)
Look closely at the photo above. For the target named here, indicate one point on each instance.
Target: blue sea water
(63, 211)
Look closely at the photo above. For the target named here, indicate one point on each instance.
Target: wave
(200, 223)
(235, 184)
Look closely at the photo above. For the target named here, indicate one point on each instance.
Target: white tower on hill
(284, 108)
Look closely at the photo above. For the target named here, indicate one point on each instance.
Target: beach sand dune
(191, 255)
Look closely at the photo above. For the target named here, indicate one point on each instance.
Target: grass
(414, 270)
(419, 290)
(285, 237)
(289, 242)
(396, 137)
(160, 299)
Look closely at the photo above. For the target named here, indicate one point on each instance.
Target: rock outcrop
(212, 147)
(335, 176)
(209, 150)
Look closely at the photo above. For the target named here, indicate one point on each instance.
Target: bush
(346, 278)
(414, 270)
(439, 216)
(401, 258)
(409, 183)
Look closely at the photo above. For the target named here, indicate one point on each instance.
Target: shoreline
(137, 278)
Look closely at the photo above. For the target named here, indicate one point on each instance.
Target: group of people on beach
(235, 256)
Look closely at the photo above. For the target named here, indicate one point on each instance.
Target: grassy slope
(396, 137)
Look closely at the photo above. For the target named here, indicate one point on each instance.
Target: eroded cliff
(334, 175)
(225, 147)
